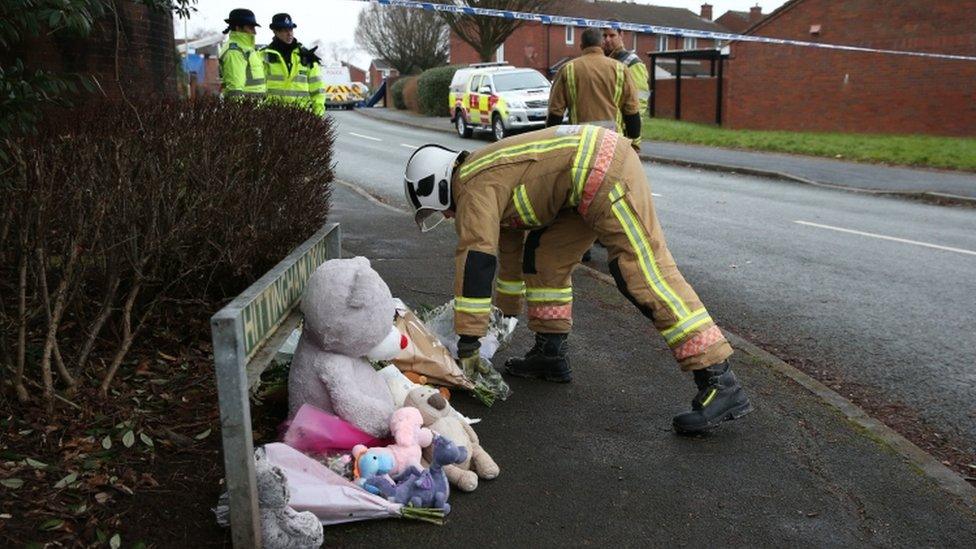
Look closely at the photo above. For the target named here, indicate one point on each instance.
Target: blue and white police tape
(650, 29)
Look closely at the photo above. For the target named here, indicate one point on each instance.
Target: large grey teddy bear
(348, 316)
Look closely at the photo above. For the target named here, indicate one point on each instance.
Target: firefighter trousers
(538, 267)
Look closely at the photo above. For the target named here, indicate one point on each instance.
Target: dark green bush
(434, 87)
(112, 213)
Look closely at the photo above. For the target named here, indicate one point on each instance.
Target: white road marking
(408, 146)
(892, 238)
(365, 136)
(655, 194)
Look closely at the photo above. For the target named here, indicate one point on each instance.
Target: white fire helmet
(427, 183)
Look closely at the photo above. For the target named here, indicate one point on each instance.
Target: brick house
(546, 47)
(140, 43)
(739, 21)
(201, 60)
(356, 74)
(379, 70)
(773, 87)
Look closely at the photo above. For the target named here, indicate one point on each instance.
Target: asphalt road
(878, 292)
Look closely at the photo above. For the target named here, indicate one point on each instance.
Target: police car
(499, 98)
(340, 90)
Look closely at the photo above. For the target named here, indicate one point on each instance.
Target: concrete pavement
(594, 463)
(855, 176)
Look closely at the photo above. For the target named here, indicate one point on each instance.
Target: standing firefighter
(596, 90)
(566, 186)
(241, 69)
(613, 46)
(294, 74)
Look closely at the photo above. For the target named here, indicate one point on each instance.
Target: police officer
(596, 90)
(241, 69)
(567, 186)
(294, 73)
(613, 47)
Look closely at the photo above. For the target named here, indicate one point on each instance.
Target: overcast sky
(333, 22)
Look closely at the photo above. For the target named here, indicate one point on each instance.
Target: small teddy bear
(281, 526)
(409, 435)
(348, 316)
(440, 417)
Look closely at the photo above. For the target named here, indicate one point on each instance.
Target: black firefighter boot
(545, 360)
(720, 398)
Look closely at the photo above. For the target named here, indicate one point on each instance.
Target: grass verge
(955, 153)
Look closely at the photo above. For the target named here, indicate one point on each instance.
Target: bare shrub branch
(107, 207)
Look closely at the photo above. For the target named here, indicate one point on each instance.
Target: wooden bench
(246, 335)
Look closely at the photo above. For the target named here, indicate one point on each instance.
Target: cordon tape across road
(650, 29)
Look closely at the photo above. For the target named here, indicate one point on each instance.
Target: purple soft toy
(428, 487)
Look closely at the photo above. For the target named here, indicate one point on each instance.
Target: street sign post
(246, 335)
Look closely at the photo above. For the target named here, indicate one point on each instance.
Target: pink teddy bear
(409, 434)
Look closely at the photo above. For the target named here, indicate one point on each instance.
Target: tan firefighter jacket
(595, 89)
(522, 182)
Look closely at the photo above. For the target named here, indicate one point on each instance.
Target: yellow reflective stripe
(562, 295)
(617, 92)
(581, 162)
(473, 305)
(510, 287)
(686, 325)
(516, 150)
(616, 193)
(287, 93)
(571, 86)
(524, 207)
(619, 88)
(710, 397)
(645, 257)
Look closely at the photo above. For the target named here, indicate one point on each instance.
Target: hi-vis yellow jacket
(638, 73)
(241, 69)
(301, 86)
(522, 182)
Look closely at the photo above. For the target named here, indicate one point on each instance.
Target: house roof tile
(632, 12)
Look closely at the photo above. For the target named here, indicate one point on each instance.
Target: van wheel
(498, 128)
(460, 125)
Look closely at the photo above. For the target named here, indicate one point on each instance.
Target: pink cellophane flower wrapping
(330, 497)
(315, 431)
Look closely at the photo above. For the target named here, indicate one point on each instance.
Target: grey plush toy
(281, 526)
(348, 316)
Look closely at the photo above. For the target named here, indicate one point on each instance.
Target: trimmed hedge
(434, 87)
(411, 96)
(397, 92)
(118, 218)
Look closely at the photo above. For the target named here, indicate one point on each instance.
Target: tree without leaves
(410, 40)
(485, 34)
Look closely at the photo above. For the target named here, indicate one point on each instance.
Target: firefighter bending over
(526, 209)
